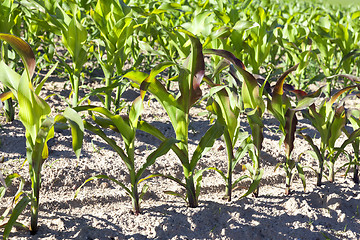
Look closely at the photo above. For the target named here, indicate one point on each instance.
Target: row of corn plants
(111, 32)
(269, 38)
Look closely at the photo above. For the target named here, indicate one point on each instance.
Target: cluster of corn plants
(137, 43)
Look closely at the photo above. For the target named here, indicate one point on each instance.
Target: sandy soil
(102, 210)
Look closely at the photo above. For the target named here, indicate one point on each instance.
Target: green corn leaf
(198, 25)
(144, 126)
(9, 78)
(206, 143)
(198, 178)
(39, 151)
(313, 146)
(164, 176)
(109, 141)
(117, 120)
(164, 147)
(280, 102)
(7, 182)
(151, 78)
(50, 135)
(18, 209)
(74, 38)
(242, 150)
(175, 194)
(245, 25)
(337, 124)
(254, 184)
(254, 117)
(224, 63)
(351, 139)
(223, 109)
(220, 172)
(144, 189)
(238, 180)
(77, 129)
(41, 84)
(33, 109)
(136, 76)
(103, 177)
(136, 110)
(158, 90)
(301, 174)
(306, 100)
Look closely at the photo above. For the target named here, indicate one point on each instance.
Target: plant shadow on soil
(210, 220)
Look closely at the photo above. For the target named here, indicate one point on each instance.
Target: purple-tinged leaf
(23, 49)
(278, 89)
(197, 67)
(290, 129)
(336, 95)
(306, 100)
(250, 88)
(280, 103)
(353, 78)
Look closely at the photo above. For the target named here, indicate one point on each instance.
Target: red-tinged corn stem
(331, 171)
(319, 174)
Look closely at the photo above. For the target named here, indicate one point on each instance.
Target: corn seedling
(280, 107)
(225, 103)
(115, 22)
(127, 127)
(68, 25)
(34, 114)
(328, 119)
(178, 108)
(254, 106)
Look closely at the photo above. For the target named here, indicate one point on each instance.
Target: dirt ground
(102, 210)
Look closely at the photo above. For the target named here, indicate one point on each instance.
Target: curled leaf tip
(23, 49)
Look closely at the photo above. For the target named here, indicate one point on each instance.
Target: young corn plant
(127, 127)
(280, 107)
(225, 103)
(34, 114)
(115, 22)
(328, 119)
(178, 108)
(254, 106)
(68, 25)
